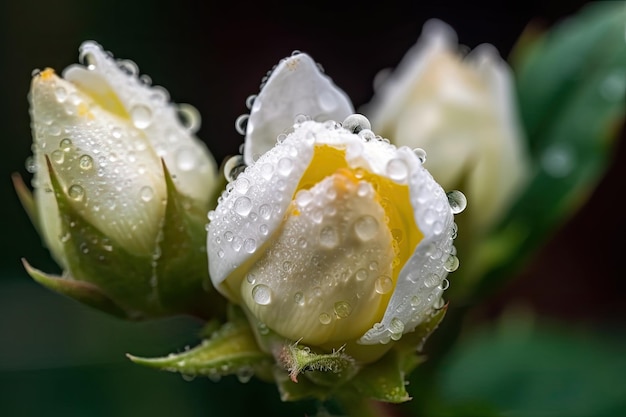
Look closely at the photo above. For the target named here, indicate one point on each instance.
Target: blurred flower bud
(121, 188)
(462, 111)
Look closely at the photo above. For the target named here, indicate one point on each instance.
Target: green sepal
(230, 350)
(304, 389)
(82, 291)
(182, 268)
(172, 280)
(26, 199)
(93, 257)
(385, 379)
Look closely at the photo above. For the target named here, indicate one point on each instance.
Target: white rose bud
(332, 237)
(111, 142)
(462, 111)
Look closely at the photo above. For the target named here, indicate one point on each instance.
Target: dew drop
(457, 201)
(356, 123)
(366, 227)
(284, 167)
(262, 294)
(383, 284)
(76, 192)
(329, 238)
(186, 159)
(61, 94)
(421, 154)
(30, 164)
(432, 280)
(342, 309)
(324, 318)
(242, 206)
(58, 156)
(189, 117)
(233, 167)
(250, 101)
(141, 116)
(445, 284)
(85, 162)
(397, 169)
(241, 123)
(361, 275)
(146, 193)
(451, 263)
(396, 325)
(116, 132)
(298, 298)
(367, 135)
(65, 144)
(558, 160)
(249, 245)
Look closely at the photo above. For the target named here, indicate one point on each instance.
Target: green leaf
(571, 84)
(26, 199)
(527, 369)
(231, 350)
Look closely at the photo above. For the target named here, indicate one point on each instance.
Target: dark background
(59, 358)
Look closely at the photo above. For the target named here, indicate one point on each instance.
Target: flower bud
(462, 111)
(114, 162)
(333, 238)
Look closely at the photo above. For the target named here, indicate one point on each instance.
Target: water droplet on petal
(242, 206)
(186, 159)
(57, 156)
(457, 201)
(383, 284)
(233, 167)
(451, 263)
(329, 238)
(146, 193)
(76, 192)
(342, 309)
(366, 227)
(65, 144)
(356, 123)
(141, 116)
(324, 318)
(397, 169)
(262, 294)
(241, 123)
(85, 162)
(421, 154)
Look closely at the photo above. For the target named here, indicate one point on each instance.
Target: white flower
(330, 236)
(462, 111)
(105, 131)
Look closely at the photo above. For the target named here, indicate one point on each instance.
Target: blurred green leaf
(571, 83)
(524, 369)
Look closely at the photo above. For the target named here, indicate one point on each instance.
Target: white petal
(418, 289)
(316, 281)
(104, 165)
(296, 86)
(115, 85)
